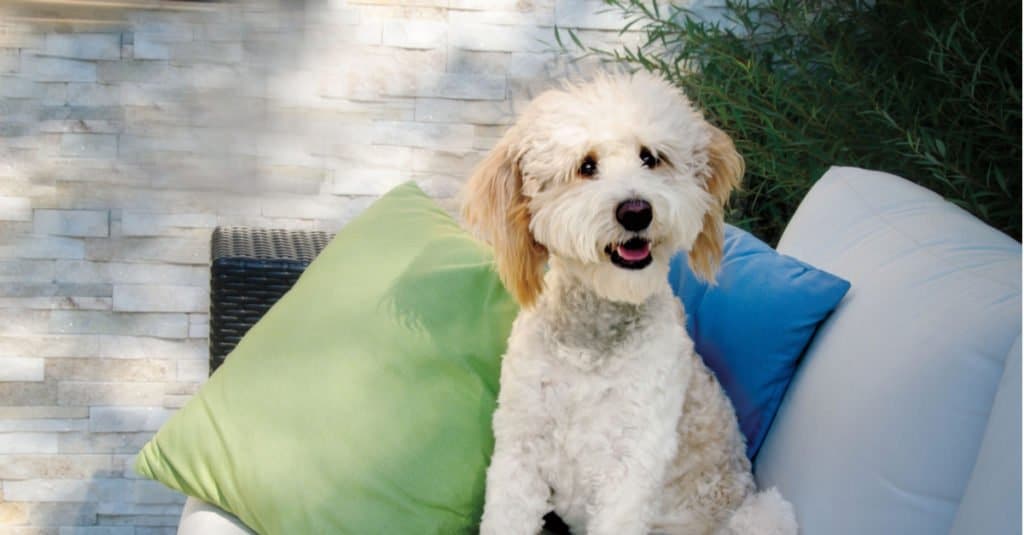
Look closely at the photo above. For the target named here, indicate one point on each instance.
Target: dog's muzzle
(634, 215)
(634, 253)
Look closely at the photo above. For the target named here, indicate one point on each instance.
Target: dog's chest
(590, 422)
(598, 402)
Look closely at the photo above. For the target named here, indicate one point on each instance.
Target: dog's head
(608, 178)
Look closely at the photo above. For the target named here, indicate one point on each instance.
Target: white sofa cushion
(881, 427)
(201, 518)
(991, 502)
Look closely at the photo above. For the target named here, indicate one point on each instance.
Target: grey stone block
(588, 14)
(65, 490)
(505, 17)
(529, 64)
(79, 94)
(133, 71)
(160, 298)
(135, 223)
(40, 465)
(21, 393)
(453, 86)
(15, 208)
(139, 347)
(199, 52)
(92, 442)
(81, 223)
(56, 303)
(124, 324)
(73, 271)
(127, 419)
(114, 394)
(39, 412)
(111, 370)
(496, 38)
(106, 46)
(412, 33)
(47, 346)
(22, 369)
(389, 157)
(80, 126)
(167, 250)
(477, 62)
(463, 111)
(14, 443)
(427, 135)
(97, 530)
(49, 515)
(103, 146)
(150, 46)
(46, 69)
(16, 87)
(10, 60)
(50, 425)
(49, 247)
(499, 5)
(193, 371)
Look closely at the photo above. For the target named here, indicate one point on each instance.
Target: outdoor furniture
(905, 414)
(250, 269)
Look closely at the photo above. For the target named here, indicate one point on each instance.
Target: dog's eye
(589, 166)
(649, 160)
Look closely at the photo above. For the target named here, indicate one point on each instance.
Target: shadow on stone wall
(123, 146)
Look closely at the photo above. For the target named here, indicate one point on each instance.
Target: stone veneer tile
(86, 394)
(15, 208)
(112, 370)
(54, 466)
(80, 223)
(127, 419)
(46, 69)
(22, 369)
(160, 298)
(26, 443)
(161, 325)
(84, 45)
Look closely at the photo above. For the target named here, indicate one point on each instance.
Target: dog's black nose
(634, 214)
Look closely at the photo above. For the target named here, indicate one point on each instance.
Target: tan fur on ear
(495, 206)
(725, 172)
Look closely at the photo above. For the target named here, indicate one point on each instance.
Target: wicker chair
(250, 270)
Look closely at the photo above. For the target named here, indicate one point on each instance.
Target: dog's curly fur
(606, 414)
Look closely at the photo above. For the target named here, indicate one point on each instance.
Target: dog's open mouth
(632, 254)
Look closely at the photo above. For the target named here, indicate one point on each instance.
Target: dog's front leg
(517, 496)
(625, 505)
(632, 478)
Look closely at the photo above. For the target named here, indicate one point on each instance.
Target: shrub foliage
(928, 89)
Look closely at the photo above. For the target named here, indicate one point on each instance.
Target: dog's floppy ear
(725, 170)
(494, 206)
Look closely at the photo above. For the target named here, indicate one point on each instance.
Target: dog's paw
(764, 513)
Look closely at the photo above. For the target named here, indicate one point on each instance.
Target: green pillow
(362, 401)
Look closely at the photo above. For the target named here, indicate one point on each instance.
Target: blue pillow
(752, 327)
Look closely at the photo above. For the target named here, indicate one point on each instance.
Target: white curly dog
(606, 415)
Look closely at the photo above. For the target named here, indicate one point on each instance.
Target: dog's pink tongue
(634, 254)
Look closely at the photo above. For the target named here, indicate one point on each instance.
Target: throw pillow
(752, 327)
(362, 401)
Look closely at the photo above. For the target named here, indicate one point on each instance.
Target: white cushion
(881, 427)
(201, 518)
(991, 502)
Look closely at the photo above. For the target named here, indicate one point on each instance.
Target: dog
(606, 415)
